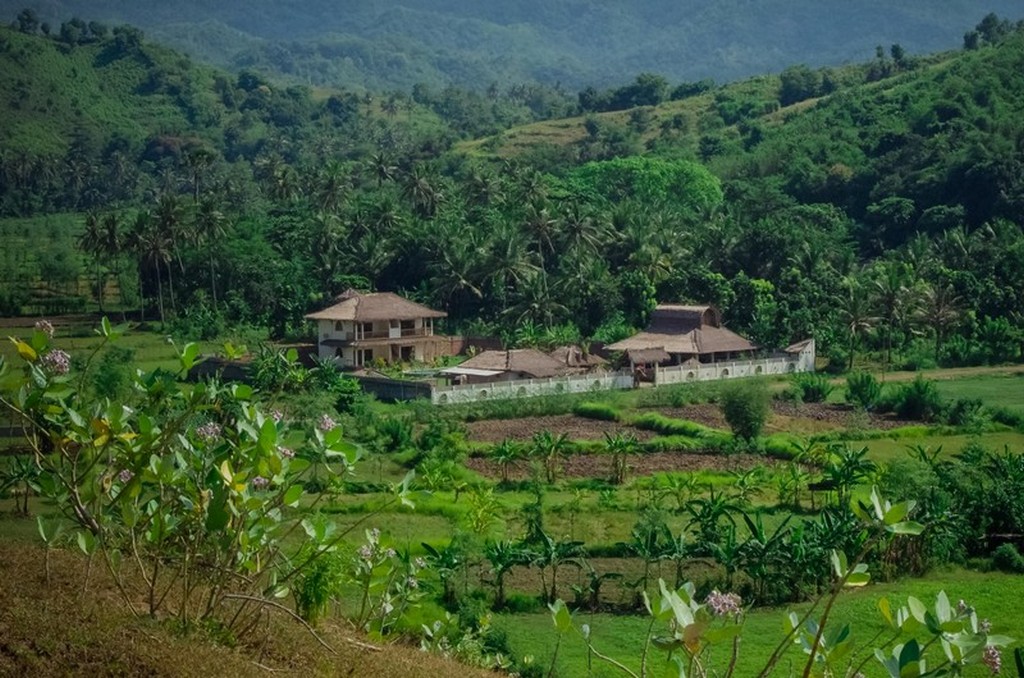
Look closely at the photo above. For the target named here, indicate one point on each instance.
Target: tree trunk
(213, 281)
(160, 296)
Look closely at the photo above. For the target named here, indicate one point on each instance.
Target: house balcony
(392, 334)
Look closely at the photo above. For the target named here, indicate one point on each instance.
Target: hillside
(235, 201)
(395, 44)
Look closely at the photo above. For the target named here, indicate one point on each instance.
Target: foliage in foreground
(694, 629)
(191, 489)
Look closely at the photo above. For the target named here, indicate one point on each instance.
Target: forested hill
(395, 44)
(875, 205)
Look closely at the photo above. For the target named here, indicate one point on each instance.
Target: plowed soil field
(600, 465)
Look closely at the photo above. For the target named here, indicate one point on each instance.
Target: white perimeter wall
(528, 388)
(678, 374)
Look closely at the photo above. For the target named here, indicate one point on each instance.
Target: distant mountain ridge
(395, 44)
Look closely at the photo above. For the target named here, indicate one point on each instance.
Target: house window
(364, 356)
(367, 329)
(338, 327)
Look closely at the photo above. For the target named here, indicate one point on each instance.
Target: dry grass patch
(55, 629)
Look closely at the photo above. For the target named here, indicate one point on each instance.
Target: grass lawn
(884, 450)
(995, 596)
(999, 390)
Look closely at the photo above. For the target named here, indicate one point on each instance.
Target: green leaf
(886, 609)
(839, 565)
(25, 351)
(683, 614)
(858, 579)
(268, 437)
(667, 643)
(560, 616)
(942, 608)
(292, 496)
(917, 608)
(86, 541)
(188, 356)
(897, 513)
(907, 527)
(105, 328)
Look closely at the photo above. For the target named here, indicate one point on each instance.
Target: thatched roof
(360, 307)
(526, 361)
(573, 356)
(692, 330)
(647, 356)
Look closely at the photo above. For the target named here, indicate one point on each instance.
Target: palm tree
(890, 292)
(422, 191)
(856, 313)
(382, 168)
(154, 247)
(541, 226)
(456, 275)
(209, 228)
(198, 161)
(169, 219)
(91, 242)
(535, 303)
(940, 311)
(332, 183)
(582, 231)
(113, 243)
(509, 262)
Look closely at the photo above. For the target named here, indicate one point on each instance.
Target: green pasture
(996, 596)
(884, 450)
(997, 390)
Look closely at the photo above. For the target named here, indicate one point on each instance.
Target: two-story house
(360, 328)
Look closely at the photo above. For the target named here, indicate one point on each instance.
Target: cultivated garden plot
(400, 519)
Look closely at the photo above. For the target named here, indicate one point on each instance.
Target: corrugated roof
(374, 306)
(524, 360)
(470, 372)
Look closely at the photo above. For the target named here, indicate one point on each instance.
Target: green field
(995, 596)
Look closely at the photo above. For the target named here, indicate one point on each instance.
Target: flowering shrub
(186, 489)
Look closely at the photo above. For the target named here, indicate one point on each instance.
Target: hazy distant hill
(398, 43)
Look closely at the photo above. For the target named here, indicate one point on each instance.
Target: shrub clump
(863, 390)
(919, 400)
(745, 406)
(652, 421)
(1007, 558)
(600, 411)
(811, 387)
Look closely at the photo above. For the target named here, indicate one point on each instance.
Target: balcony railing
(393, 333)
